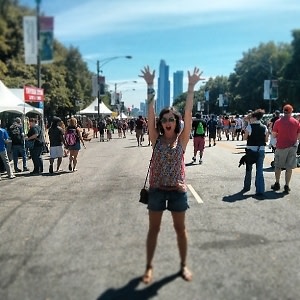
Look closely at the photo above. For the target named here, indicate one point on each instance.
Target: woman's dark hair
(258, 114)
(55, 122)
(177, 116)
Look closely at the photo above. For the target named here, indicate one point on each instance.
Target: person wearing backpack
(199, 129)
(72, 140)
(16, 133)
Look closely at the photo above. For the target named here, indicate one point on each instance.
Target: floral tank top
(167, 171)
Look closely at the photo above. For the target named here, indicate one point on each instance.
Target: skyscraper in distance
(177, 84)
(163, 87)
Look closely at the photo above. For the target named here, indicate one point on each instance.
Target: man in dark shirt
(56, 138)
(212, 129)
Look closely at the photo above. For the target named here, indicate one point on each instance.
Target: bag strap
(150, 164)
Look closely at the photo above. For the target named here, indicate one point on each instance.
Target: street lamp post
(99, 66)
(268, 67)
(118, 104)
(121, 104)
(38, 2)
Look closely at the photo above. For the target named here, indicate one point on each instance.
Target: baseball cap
(288, 109)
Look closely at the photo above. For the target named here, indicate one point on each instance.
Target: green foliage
(66, 82)
(244, 87)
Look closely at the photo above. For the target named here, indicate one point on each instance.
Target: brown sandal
(148, 275)
(185, 273)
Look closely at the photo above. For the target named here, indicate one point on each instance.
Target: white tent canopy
(11, 103)
(122, 116)
(92, 109)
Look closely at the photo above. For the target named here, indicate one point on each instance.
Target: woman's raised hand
(195, 77)
(147, 75)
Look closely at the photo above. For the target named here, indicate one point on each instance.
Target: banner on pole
(274, 89)
(221, 100)
(206, 96)
(46, 39)
(30, 39)
(267, 84)
(94, 86)
(270, 89)
(101, 83)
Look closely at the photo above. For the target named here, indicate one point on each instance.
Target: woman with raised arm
(167, 187)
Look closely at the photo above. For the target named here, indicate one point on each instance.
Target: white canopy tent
(9, 102)
(122, 116)
(92, 109)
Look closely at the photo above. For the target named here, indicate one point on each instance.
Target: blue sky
(212, 35)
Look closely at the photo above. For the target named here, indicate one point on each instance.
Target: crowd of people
(214, 128)
(35, 142)
(63, 140)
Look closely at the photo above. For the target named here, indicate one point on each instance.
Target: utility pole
(38, 2)
(98, 81)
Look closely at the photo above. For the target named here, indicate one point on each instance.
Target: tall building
(163, 87)
(177, 84)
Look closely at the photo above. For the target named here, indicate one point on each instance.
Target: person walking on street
(35, 134)
(167, 173)
(139, 130)
(199, 129)
(212, 130)
(287, 132)
(56, 138)
(16, 133)
(3, 152)
(72, 129)
(257, 136)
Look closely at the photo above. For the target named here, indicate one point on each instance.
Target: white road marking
(195, 194)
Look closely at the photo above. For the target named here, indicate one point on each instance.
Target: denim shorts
(160, 200)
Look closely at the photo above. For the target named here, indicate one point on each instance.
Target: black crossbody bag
(144, 193)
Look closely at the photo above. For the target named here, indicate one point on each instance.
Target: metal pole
(98, 96)
(38, 43)
(117, 99)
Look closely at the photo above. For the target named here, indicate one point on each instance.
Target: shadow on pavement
(239, 196)
(129, 292)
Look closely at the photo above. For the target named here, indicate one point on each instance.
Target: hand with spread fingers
(195, 77)
(147, 75)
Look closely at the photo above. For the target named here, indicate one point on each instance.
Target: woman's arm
(149, 78)
(193, 80)
(80, 137)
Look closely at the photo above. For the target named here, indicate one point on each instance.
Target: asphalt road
(82, 235)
